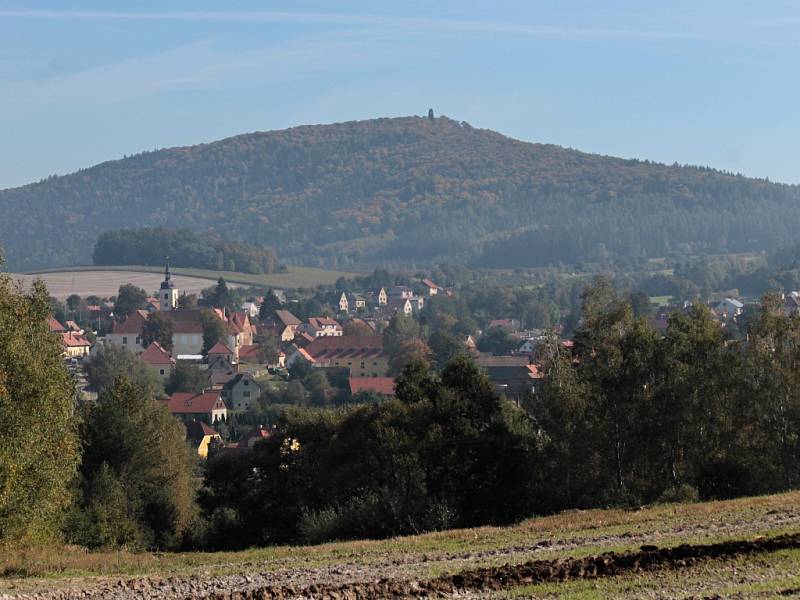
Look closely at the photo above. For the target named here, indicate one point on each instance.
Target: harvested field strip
(609, 564)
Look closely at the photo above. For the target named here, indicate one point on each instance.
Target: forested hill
(403, 189)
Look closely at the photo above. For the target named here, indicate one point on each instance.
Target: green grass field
(295, 277)
(569, 534)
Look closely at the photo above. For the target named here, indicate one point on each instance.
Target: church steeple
(167, 283)
(168, 295)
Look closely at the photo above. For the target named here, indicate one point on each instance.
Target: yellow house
(201, 436)
(75, 345)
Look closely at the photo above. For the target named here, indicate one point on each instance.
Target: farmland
(460, 559)
(105, 281)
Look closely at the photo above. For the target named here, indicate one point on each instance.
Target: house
(296, 354)
(207, 406)
(400, 292)
(157, 357)
(286, 325)
(55, 326)
(187, 331)
(250, 353)
(729, 308)
(240, 331)
(364, 355)
(321, 326)
(251, 308)
(201, 436)
(401, 306)
(74, 327)
(342, 302)
(220, 349)
(378, 385)
(382, 297)
(356, 301)
(513, 376)
(153, 304)
(431, 287)
(128, 333)
(75, 345)
(241, 391)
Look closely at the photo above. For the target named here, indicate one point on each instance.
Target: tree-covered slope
(407, 189)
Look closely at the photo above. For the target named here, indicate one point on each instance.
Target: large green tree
(129, 299)
(39, 448)
(159, 327)
(137, 486)
(112, 361)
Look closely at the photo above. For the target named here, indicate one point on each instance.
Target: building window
(246, 382)
(246, 394)
(161, 371)
(124, 340)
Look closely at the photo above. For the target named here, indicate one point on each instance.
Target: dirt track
(508, 576)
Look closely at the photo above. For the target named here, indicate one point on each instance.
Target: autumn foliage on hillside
(403, 189)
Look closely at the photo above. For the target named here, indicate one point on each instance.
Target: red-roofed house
(207, 406)
(55, 326)
(129, 333)
(379, 385)
(157, 357)
(75, 344)
(220, 349)
(286, 325)
(201, 436)
(321, 327)
(432, 288)
(363, 355)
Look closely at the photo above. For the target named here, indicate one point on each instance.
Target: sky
(715, 82)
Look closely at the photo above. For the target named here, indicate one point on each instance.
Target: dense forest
(402, 190)
(150, 246)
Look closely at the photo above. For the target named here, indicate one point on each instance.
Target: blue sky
(714, 83)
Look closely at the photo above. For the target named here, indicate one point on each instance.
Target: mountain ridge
(405, 189)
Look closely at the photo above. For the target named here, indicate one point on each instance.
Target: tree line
(183, 248)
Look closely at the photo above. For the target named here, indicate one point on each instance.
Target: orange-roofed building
(75, 344)
(206, 406)
(157, 357)
(55, 325)
(362, 355)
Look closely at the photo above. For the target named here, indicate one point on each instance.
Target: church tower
(168, 294)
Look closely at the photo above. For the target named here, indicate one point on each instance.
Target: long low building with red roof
(363, 355)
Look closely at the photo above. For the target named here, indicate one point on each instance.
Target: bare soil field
(745, 548)
(106, 283)
(293, 277)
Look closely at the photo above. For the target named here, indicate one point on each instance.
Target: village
(235, 356)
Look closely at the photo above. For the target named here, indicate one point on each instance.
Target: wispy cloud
(202, 65)
(394, 22)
